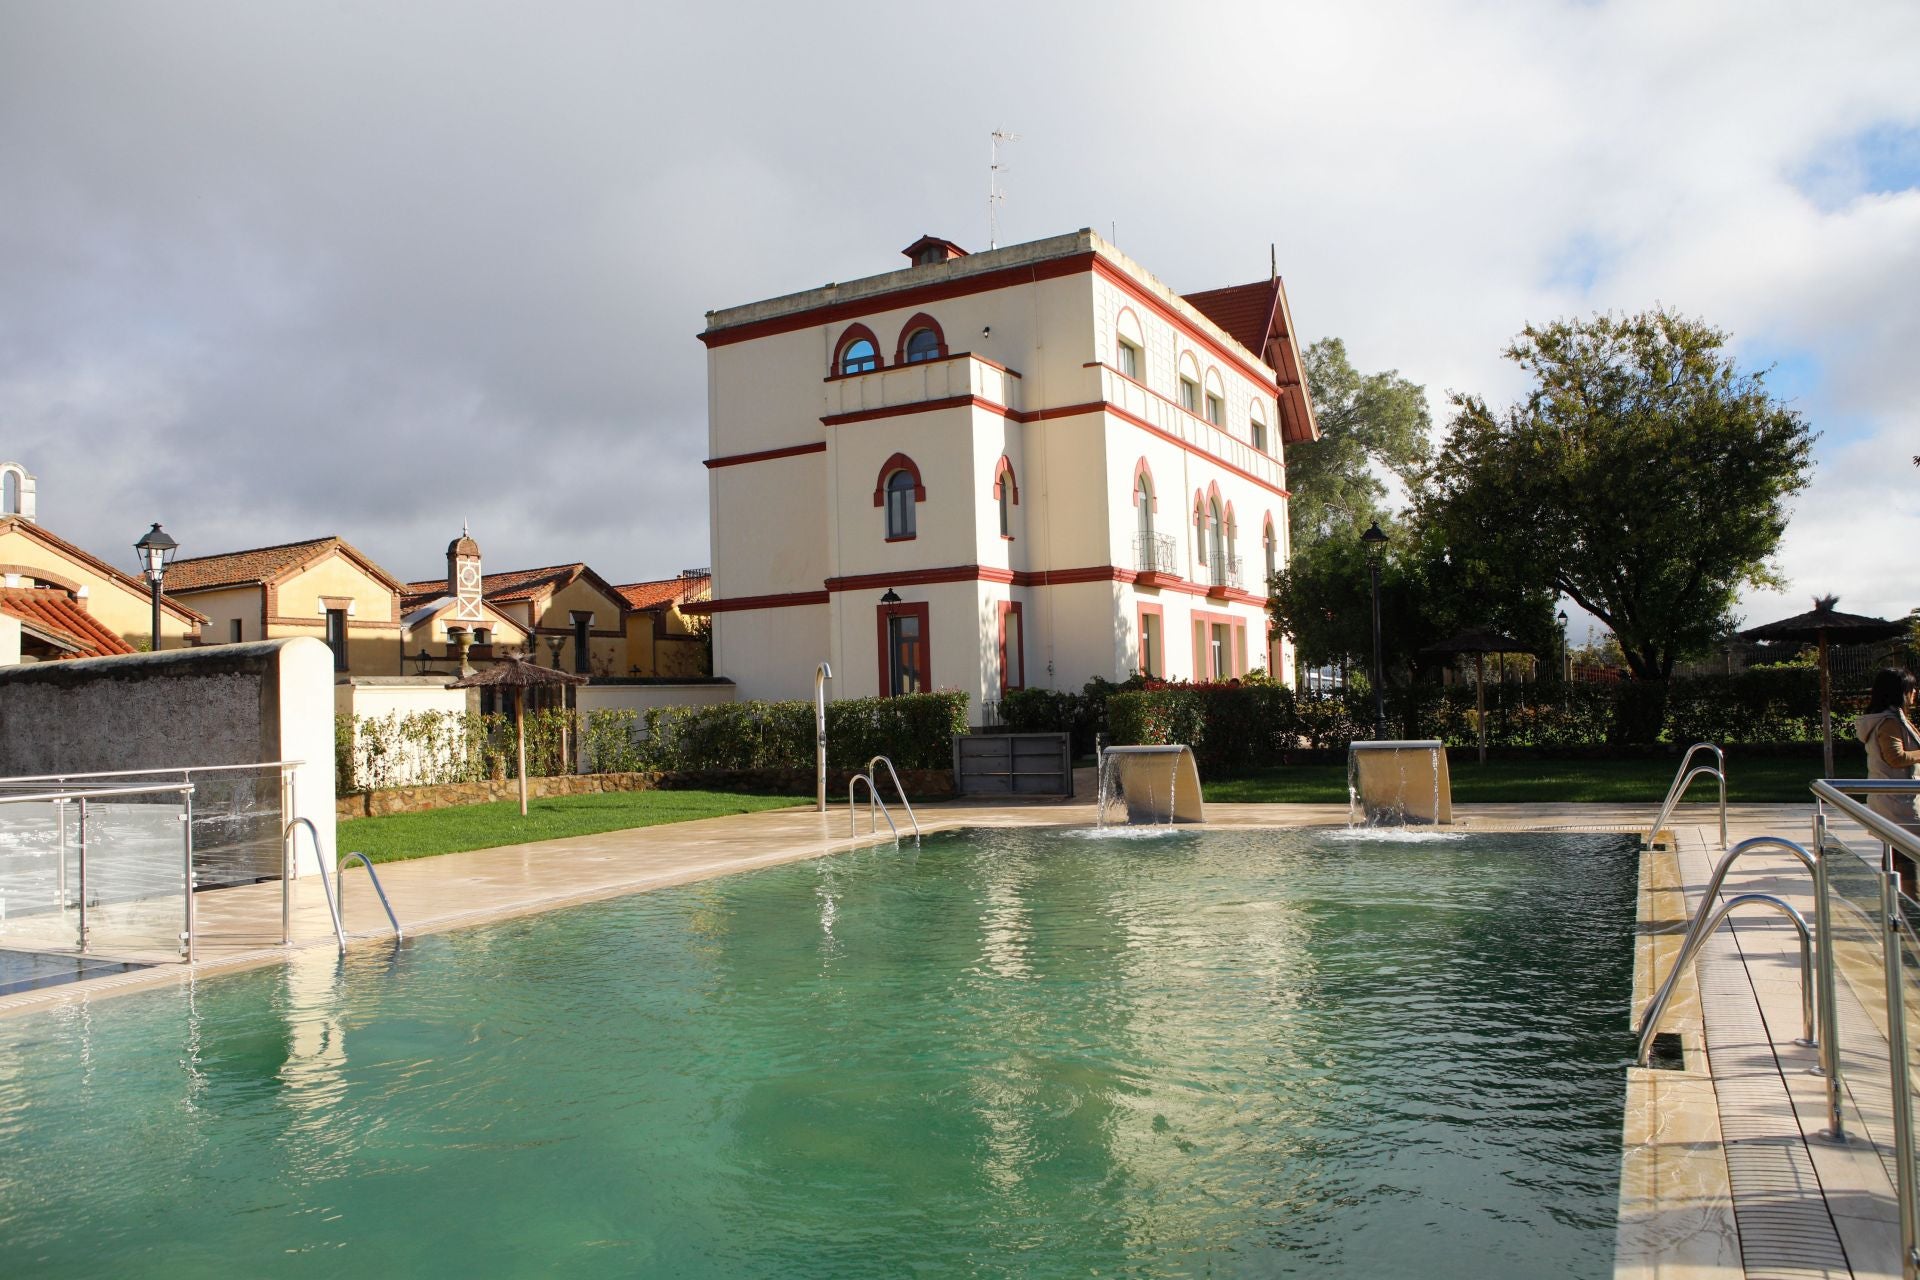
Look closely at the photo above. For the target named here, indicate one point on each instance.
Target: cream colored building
(33, 557)
(322, 587)
(1019, 468)
(566, 610)
(664, 640)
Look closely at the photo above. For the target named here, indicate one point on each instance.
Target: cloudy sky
(275, 271)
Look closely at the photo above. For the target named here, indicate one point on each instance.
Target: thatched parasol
(518, 675)
(1479, 642)
(1823, 625)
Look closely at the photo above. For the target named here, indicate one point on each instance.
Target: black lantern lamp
(554, 644)
(1566, 668)
(892, 597)
(422, 662)
(156, 551)
(1374, 540)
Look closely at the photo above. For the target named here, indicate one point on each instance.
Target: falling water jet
(1134, 775)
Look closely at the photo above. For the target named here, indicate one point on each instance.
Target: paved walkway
(1725, 1172)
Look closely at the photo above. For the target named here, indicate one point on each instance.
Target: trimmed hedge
(915, 731)
(1239, 726)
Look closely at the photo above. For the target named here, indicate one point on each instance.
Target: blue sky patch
(1878, 160)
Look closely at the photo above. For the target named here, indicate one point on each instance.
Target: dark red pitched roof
(651, 595)
(1258, 318)
(58, 613)
(511, 587)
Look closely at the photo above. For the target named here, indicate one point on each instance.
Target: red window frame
(885, 613)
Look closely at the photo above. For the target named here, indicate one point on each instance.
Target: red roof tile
(1245, 311)
(262, 564)
(1258, 318)
(61, 614)
(46, 537)
(651, 595)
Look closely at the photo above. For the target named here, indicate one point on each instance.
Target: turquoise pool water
(1010, 1054)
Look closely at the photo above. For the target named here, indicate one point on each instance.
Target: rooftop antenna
(1273, 261)
(995, 196)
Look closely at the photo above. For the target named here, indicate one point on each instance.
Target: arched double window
(1271, 544)
(858, 352)
(900, 492)
(920, 339)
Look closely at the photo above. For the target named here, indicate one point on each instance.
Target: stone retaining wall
(921, 784)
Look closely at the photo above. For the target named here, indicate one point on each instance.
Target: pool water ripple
(1023, 1053)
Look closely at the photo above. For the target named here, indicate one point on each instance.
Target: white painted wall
(306, 734)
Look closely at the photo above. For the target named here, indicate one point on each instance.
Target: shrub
(915, 731)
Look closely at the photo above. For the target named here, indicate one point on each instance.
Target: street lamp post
(155, 550)
(1566, 666)
(1373, 539)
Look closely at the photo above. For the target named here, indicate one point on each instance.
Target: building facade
(32, 557)
(1020, 468)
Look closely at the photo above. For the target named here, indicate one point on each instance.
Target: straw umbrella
(518, 675)
(1479, 642)
(1822, 626)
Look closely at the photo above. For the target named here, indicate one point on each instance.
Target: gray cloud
(274, 271)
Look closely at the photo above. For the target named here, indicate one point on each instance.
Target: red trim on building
(910, 296)
(920, 320)
(765, 455)
(1013, 665)
(734, 604)
(898, 462)
(909, 609)
(918, 406)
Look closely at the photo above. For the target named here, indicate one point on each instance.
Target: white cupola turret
(16, 491)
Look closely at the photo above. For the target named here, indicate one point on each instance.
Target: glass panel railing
(97, 876)
(1855, 907)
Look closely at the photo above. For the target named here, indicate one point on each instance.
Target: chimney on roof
(931, 251)
(463, 576)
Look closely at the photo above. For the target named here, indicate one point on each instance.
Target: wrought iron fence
(1155, 553)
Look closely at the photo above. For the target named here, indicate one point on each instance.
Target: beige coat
(1893, 752)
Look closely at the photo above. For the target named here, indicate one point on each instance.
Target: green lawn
(1758, 779)
(487, 826)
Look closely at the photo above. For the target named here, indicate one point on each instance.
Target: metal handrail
(1682, 779)
(904, 802)
(149, 773)
(1839, 795)
(1656, 1009)
(320, 856)
(338, 872)
(873, 792)
(1698, 926)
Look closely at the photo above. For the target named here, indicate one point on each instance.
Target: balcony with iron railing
(1154, 554)
(1223, 571)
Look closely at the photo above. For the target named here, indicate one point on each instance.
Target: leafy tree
(1366, 420)
(1643, 475)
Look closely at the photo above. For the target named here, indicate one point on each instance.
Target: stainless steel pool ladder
(333, 899)
(1707, 919)
(1682, 779)
(340, 879)
(877, 806)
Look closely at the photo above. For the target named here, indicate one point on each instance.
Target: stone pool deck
(1725, 1169)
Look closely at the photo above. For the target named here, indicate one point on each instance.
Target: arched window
(1216, 399)
(1219, 539)
(1272, 547)
(900, 505)
(920, 339)
(1143, 499)
(1006, 494)
(1129, 346)
(858, 352)
(1257, 426)
(1200, 528)
(1189, 385)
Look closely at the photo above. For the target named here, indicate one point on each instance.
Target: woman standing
(1893, 745)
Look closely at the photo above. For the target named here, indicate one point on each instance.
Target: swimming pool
(1014, 1053)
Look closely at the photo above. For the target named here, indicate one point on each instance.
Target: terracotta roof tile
(509, 587)
(651, 595)
(1245, 311)
(59, 613)
(263, 564)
